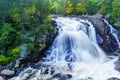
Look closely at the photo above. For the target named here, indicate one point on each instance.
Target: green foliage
(5, 7)
(80, 8)
(4, 60)
(84, 5)
(19, 18)
(40, 45)
(8, 35)
(69, 8)
(15, 14)
(116, 11)
(103, 10)
(14, 53)
(108, 4)
(9, 56)
(116, 6)
(58, 7)
(89, 7)
(6, 29)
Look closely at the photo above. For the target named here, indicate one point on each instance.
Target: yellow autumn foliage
(103, 10)
(47, 19)
(29, 10)
(69, 8)
(15, 14)
(78, 8)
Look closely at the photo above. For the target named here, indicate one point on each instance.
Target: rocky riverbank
(48, 71)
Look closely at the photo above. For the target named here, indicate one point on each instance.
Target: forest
(33, 17)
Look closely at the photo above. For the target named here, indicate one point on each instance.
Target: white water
(75, 52)
(76, 42)
(114, 32)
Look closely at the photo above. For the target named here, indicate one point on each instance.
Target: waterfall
(76, 42)
(114, 32)
(74, 55)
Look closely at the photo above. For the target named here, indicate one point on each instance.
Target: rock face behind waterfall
(104, 37)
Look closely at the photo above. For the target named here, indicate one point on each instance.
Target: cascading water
(74, 55)
(76, 42)
(114, 32)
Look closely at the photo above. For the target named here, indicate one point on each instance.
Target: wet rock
(29, 71)
(60, 76)
(23, 52)
(117, 53)
(103, 30)
(17, 63)
(57, 75)
(1, 78)
(52, 71)
(109, 43)
(69, 76)
(90, 78)
(119, 57)
(53, 23)
(117, 65)
(87, 78)
(96, 20)
(7, 73)
(54, 16)
(113, 78)
(99, 39)
(46, 71)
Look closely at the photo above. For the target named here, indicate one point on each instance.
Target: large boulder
(7, 73)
